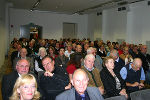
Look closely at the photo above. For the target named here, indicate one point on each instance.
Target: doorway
(70, 30)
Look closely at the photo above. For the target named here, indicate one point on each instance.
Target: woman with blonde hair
(25, 88)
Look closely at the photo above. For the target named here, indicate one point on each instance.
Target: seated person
(126, 56)
(25, 88)
(51, 53)
(8, 81)
(80, 91)
(61, 60)
(23, 55)
(74, 63)
(38, 60)
(93, 73)
(53, 80)
(134, 75)
(114, 85)
(119, 63)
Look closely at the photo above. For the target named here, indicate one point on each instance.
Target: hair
(18, 62)
(47, 57)
(105, 60)
(89, 55)
(75, 59)
(81, 70)
(23, 79)
(40, 49)
(89, 50)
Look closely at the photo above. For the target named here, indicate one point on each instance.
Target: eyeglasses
(47, 64)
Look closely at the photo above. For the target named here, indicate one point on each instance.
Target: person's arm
(123, 73)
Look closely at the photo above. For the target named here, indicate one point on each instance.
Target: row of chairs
(138, 95)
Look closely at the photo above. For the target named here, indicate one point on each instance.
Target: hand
(47, 73)
(135, 84)
(68, 86)
(141, 85)
(101, 89)
(123, 92)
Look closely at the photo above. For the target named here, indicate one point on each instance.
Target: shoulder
(66, 94)
(11, 75)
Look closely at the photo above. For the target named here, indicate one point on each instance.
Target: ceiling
(69, 6)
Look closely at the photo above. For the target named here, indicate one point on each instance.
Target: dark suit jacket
(52, 86)
(59, 62)
(8, 83)
(14, 55)
(145, 61)
(93, 93)
(110, 83)
(119, 65)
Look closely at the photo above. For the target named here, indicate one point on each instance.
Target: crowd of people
(73, 69)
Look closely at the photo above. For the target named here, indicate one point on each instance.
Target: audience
(25, 88)
(80, 91)
(54, 79)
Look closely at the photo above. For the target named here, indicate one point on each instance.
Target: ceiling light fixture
(36, 4)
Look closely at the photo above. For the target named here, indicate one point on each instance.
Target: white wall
(2, 32)
(95, 26)
(52, 23)
(132, 25)
(114, 24)
(139, 23)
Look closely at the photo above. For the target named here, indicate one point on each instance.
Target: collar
(117, 60)
(88, 68)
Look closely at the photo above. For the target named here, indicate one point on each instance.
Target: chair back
(117, 98)
(140, 95)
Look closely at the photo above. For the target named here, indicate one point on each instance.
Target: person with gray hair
(93, 72)
(80, 91)
(134, 75)
(119, 63)
(38, 60)
(98, 60)
(8, 81)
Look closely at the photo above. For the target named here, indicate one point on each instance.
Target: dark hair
(75, 59)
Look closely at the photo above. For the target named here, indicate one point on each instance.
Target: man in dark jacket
(8, 81)
(53, 81)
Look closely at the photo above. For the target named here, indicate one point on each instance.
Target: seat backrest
(117, 98)
(140, 95)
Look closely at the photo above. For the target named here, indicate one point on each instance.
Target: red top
(71, 68)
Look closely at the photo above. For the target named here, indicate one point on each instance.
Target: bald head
(137, 64)
(80, 81)
(22, 66)
(80, 72)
